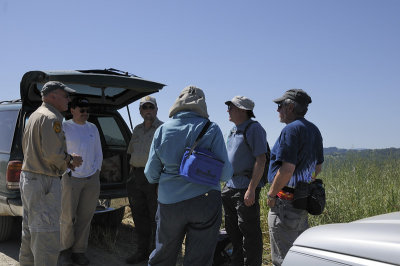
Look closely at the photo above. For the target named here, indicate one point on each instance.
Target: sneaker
(136, 258)
(80, 259)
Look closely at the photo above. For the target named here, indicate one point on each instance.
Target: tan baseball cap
(148, 99)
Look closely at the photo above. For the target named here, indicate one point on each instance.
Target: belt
(137, 168)
(88, 177)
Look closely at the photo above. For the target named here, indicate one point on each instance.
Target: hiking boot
(64, 259)
(80, 259)
(136, 258)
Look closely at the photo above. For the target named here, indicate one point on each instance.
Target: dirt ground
(106, 247)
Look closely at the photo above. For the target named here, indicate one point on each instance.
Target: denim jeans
(242, 224)
(199, 219)
(285, 224)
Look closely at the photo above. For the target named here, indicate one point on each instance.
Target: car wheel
(6, 227)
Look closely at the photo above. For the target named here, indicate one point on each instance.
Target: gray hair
(299, 109)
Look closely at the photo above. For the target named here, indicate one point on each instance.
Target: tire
(6, 227)
(110, 219)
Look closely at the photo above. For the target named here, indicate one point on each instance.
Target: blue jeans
(199, 219)
(242, 224)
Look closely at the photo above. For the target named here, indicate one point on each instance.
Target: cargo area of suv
(107, 91)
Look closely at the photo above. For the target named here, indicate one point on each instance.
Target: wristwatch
(71, 159)
(270, 197)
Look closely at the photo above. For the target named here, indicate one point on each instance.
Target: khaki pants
(40, 241)
(79, 201)
(285, 224)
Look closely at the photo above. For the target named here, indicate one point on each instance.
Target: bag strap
(245, 138)
(203, 131)
(245, 133)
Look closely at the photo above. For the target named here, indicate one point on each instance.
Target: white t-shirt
(84, 140)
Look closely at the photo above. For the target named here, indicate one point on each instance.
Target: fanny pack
(310, 197)
(200, 165)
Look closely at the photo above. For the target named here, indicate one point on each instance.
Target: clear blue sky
(344, 53)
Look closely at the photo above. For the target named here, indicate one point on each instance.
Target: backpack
(267, 155)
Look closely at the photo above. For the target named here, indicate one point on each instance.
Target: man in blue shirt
(240, 195)
(297, 156)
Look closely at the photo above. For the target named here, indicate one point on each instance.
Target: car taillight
(13, 173)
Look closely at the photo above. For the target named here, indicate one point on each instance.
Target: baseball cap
(242, 102)
(296, 95)
(80, 102)
(148, 99)
(54, 85)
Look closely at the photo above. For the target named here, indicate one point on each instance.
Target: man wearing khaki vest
(45, 160)
(142, 195)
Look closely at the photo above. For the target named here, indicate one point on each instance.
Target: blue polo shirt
(241, 156)
(300, 143)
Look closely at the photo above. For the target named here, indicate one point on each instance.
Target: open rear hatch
(108, 88)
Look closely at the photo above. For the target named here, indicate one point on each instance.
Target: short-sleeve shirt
(139, 145)
(300, 143)
(43, 142)
(241, 156)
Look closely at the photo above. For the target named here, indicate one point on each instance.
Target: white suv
(370, 241)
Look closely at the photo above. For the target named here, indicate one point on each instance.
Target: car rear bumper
(13, 207)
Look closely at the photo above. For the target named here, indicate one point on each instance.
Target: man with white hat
(142, 195)
(247, 149)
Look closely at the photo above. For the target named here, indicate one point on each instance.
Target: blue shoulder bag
(200, 165)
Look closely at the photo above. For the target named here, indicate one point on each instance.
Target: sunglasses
(148, 106)
(280, 105)
(84, 110)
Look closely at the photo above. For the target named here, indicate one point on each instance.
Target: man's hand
(76, 161)
(249, 197)
(271, 202)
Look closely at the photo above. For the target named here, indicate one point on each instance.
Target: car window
(112, 133)
(8, 120)
(89, 90)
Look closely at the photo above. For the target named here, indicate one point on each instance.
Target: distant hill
(377, 153)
